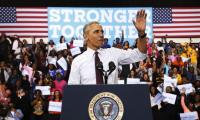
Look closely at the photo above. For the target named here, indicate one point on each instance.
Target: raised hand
(140, 22)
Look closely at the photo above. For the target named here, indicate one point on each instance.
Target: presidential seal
(106, 106)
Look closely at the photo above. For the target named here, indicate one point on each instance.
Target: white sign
(27, 71)
(133, 80)
(170, 98)
(15, 45)
(189, 116)
(55, 106)
(51, 60)
(160, 48)
(61, 46)
(160, 88)
(120, 81)
(62, 62)
(75, 51)
(158, 98)
(184, 59)
(78, 43)
(45, 89)
(168, 81)
(187, 87)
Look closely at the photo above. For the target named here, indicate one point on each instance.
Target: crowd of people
(26, 66)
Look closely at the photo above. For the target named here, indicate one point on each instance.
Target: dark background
(135, 99)
(102, 3)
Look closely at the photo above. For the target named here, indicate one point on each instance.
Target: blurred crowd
(25, 66)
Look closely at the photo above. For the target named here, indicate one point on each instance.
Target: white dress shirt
(83, 66)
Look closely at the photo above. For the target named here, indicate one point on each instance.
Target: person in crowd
(62, 39)
(41, 60)
(153, 93)
(177, 75)
(93, 34)
(59, 82)
(106, 44)
(145, 78)
(25, 84)
(70, 44)
(133, 74)
(14, 113)
(52, 70)
(4, 72)
(167, 66)
(153, 51)
(141, 69)
(50, 46)
(39, 106)
(42, 44)
(18, 54)
(125, 68)
(178, 62)
(56, 97)
(189, 74)
(5, 47)
(118, 43)
(15, 75)
(22, 102)
(192, 53)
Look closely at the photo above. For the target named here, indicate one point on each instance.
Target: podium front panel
(135, 99)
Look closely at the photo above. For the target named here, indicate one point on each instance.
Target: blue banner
(69, 22)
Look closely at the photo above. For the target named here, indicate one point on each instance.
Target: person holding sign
(88, 68)
(56, 98)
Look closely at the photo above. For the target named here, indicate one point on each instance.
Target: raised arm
(140, 25)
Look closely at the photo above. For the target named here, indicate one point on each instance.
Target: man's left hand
(140, 22)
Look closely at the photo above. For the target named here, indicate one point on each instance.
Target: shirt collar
(91, 51)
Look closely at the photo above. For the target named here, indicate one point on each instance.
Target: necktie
(99, 74)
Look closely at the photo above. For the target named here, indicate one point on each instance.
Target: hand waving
(140, 23)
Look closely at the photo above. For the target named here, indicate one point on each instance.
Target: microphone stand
(125, 80)
(106, 76)
(108, 72)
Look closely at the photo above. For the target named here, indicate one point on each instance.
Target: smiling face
(93, 34)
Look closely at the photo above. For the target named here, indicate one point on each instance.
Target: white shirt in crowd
(83, 66)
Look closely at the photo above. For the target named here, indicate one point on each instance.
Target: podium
(106, 102)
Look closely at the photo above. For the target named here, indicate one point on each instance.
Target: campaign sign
(69, 22)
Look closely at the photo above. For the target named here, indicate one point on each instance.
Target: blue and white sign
(69, 22)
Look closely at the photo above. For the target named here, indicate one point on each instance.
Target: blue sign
(69, 22)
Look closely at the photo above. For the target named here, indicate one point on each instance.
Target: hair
(88, 25)
(60, 95)
(61, 38)
(125, 43)
(51, 41)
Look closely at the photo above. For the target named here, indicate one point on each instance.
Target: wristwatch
(142, 36)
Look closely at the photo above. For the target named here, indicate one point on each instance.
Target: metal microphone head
(99, 66)
(112, 66)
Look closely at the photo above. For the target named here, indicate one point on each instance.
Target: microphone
(111, 66)
(99, 66)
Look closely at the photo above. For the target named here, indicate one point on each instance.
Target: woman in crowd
(56, 97)
(39, 107)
